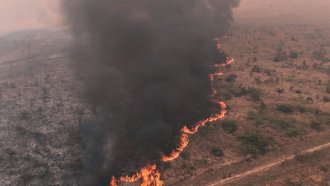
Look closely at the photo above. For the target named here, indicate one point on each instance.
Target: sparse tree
(279, 91)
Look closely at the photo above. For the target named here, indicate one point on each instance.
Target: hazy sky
(22, 14)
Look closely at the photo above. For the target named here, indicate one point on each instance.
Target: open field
(279, 107)
(276, 91)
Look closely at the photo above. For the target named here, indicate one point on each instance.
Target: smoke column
(145, 66)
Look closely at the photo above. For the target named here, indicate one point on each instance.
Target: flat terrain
(278, 101)
(276, 92)
(39, 110)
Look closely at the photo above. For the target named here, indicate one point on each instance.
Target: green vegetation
(279, 124)
(320, 53)
(285, 108)
(231, 78)
(166, 166)
(253, 144)
(255, 94)
(185, 155)
(293, 133)
(324, 168)
(306, 158)
(315, 125)
(258, 118)
(327, 89)
(293, 54)
(326, 99)
(279, 91)
(280, 56)
(256, 69)
(229, 126)
(217, 152)
(294, 182)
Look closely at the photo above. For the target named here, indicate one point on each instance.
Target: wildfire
(149, 174)
(184, 139)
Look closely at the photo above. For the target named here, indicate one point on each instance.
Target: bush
(293, 133)
(280, 56)
(304, 158)
(280, 124)
(297, 182)
(166, 166)
(285, 108)
(231, 78)
(315, 125)
(301, 109)
(229, 126)
(293, 54)
(258, 118)
(255, 94)
(256, 69)
(320, 53)
(327, 89)
(326, 99)
(185, 155)
(253, 144)
(216, 152)
(324, 168)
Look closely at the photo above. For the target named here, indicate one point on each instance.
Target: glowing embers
(149, 174)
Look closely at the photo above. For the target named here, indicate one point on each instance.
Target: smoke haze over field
(283, 11)
(27, 14)
(146, 65)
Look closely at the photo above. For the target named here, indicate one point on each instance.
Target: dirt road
(267, 166)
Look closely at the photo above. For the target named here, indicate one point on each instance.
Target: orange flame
(184, 139)
(149, 174)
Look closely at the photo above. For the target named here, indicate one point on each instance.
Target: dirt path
(267, 166)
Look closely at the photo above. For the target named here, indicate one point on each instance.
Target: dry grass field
(277, 92)
(278, 105)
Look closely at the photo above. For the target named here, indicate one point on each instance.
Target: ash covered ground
(39, 110)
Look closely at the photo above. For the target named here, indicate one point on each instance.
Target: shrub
(304, 158)
(293, 133)
(327, 89)
(216, 152)
(296, 182)
(326, 99)
(255, 94)
(280, 56)
(268, 72)
(280, 124)
(285, 108)
(231, 78)
(166, 166)
(227, 96)
(256, 69)
(324, 168)
(258, 118)
(253, 144)
(301, 109)
(315, 125)
(185, 155)
(257, 80)
(327, 121)
(293, 54)
(229, 126)
(320, 53)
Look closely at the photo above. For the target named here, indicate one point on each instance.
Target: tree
(279, 91)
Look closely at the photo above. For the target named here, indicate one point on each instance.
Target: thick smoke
(146, 66)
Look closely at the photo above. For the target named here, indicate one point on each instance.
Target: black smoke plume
(146, 66)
